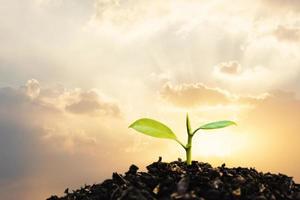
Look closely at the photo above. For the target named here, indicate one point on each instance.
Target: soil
(199, 181)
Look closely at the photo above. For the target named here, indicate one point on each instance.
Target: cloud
(285, 5)
(76, 101)
(193, 95)
(36, 131)
(289, 34)
(269, 122)
(129, 12)
(59, 103)
(176, 41)
(19, 134)
(230, 68)
(198, 94)
(90, 102)
(32, 88)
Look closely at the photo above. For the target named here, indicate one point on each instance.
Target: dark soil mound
(201, 181)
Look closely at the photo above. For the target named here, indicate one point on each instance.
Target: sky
(74, 74)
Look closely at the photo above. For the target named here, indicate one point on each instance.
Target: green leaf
(153, 128)
(217, 124)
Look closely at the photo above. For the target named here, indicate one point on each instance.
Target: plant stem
(188, 150)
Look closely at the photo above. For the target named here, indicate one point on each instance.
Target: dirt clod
(199, 181)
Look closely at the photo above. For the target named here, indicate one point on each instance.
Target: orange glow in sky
(74, 74)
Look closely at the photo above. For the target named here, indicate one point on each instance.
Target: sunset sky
(75, 73)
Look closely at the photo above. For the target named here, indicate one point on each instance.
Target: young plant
(157, 129)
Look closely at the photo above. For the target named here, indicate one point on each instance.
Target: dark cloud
(17, 146)
(39, 140)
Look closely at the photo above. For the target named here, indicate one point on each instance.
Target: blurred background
(74, 74)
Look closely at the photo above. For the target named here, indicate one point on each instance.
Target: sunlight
(216, 144)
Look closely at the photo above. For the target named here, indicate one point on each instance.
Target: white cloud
(200, 95)
(130, 12)
(193, 95)
(32, 88)
(229, 68)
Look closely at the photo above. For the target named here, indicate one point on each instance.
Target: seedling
(157, 129)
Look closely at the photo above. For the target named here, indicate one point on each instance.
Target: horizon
(75, 74)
